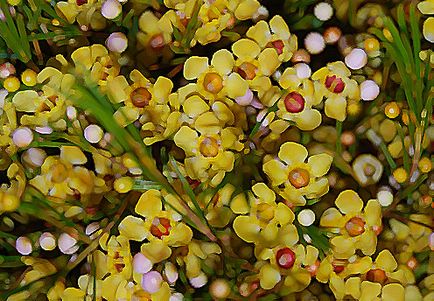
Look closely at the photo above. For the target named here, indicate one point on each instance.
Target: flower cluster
(205, 152)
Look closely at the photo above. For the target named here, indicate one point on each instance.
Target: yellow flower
(209, 150)
(287, 263)
(274, 35)
(86, 12)
(161, 228)
(333, 83)
(427, 8)
(96, 59)
(63, 175)
(146, 102)
(357, 229)
(267, 223)
(217, 80)
(300, 180)
(154, 33)
(197, 252)
(244, 9)
(382, 278)
(10, 195)
(255, 66)
(119, 259)
(296, 103)
(215, 17)
(218, 212)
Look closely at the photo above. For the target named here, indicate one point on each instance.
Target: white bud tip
(323, 11)
(306, 217)
(110, 9)
(47, 241)
(22, 137)
(151, 282)
(356, 59)
(303, 70)
(314, 43)
(117, 42)
(385, 198)
(93, 133)
(67, 244)
(23, 245)
(141, 264)
(369, 90)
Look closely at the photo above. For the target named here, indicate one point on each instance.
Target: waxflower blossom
(300, 180)
(209, 150)
(296, 104)
(333, 83)
(357, 229)
(274, 35)
(286, 264)
(264, 221)
(427, 8)
(161, 228)
(216, 80)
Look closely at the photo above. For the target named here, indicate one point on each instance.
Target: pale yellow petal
(320, 164)
(223, 61)
(292, 153)
(195, 66)
(348, 201)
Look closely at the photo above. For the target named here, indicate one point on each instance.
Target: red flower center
(81, 2)
(294, 102)
(278, 45)
(285, 258)
(334, 84)
(160, 227)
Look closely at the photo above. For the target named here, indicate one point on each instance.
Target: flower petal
(246, 228)
(386, 261)
(276, 171)
(336, 108)
(149, 204)
(195, 66)
(331, 218)
(292, 153)
(393, 291)
(184, 139)
(280, 27)
(245, 49)
(264, 193)
(268, 61)
(373, 213)
(320, 164)
(236, 86)
(369, 291)
(133, 228)
(223, 61)
(348, 201)
(269, 276)
(308, 119)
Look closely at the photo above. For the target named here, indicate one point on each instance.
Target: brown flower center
(209, 147)
(285, 258)
(160, 227)
(213, 83)
(247, 70)
(294, 102)
(299, 177)
(334, 84)
(355, 226)
(376, 275)
(140, 97)
(81, 2)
